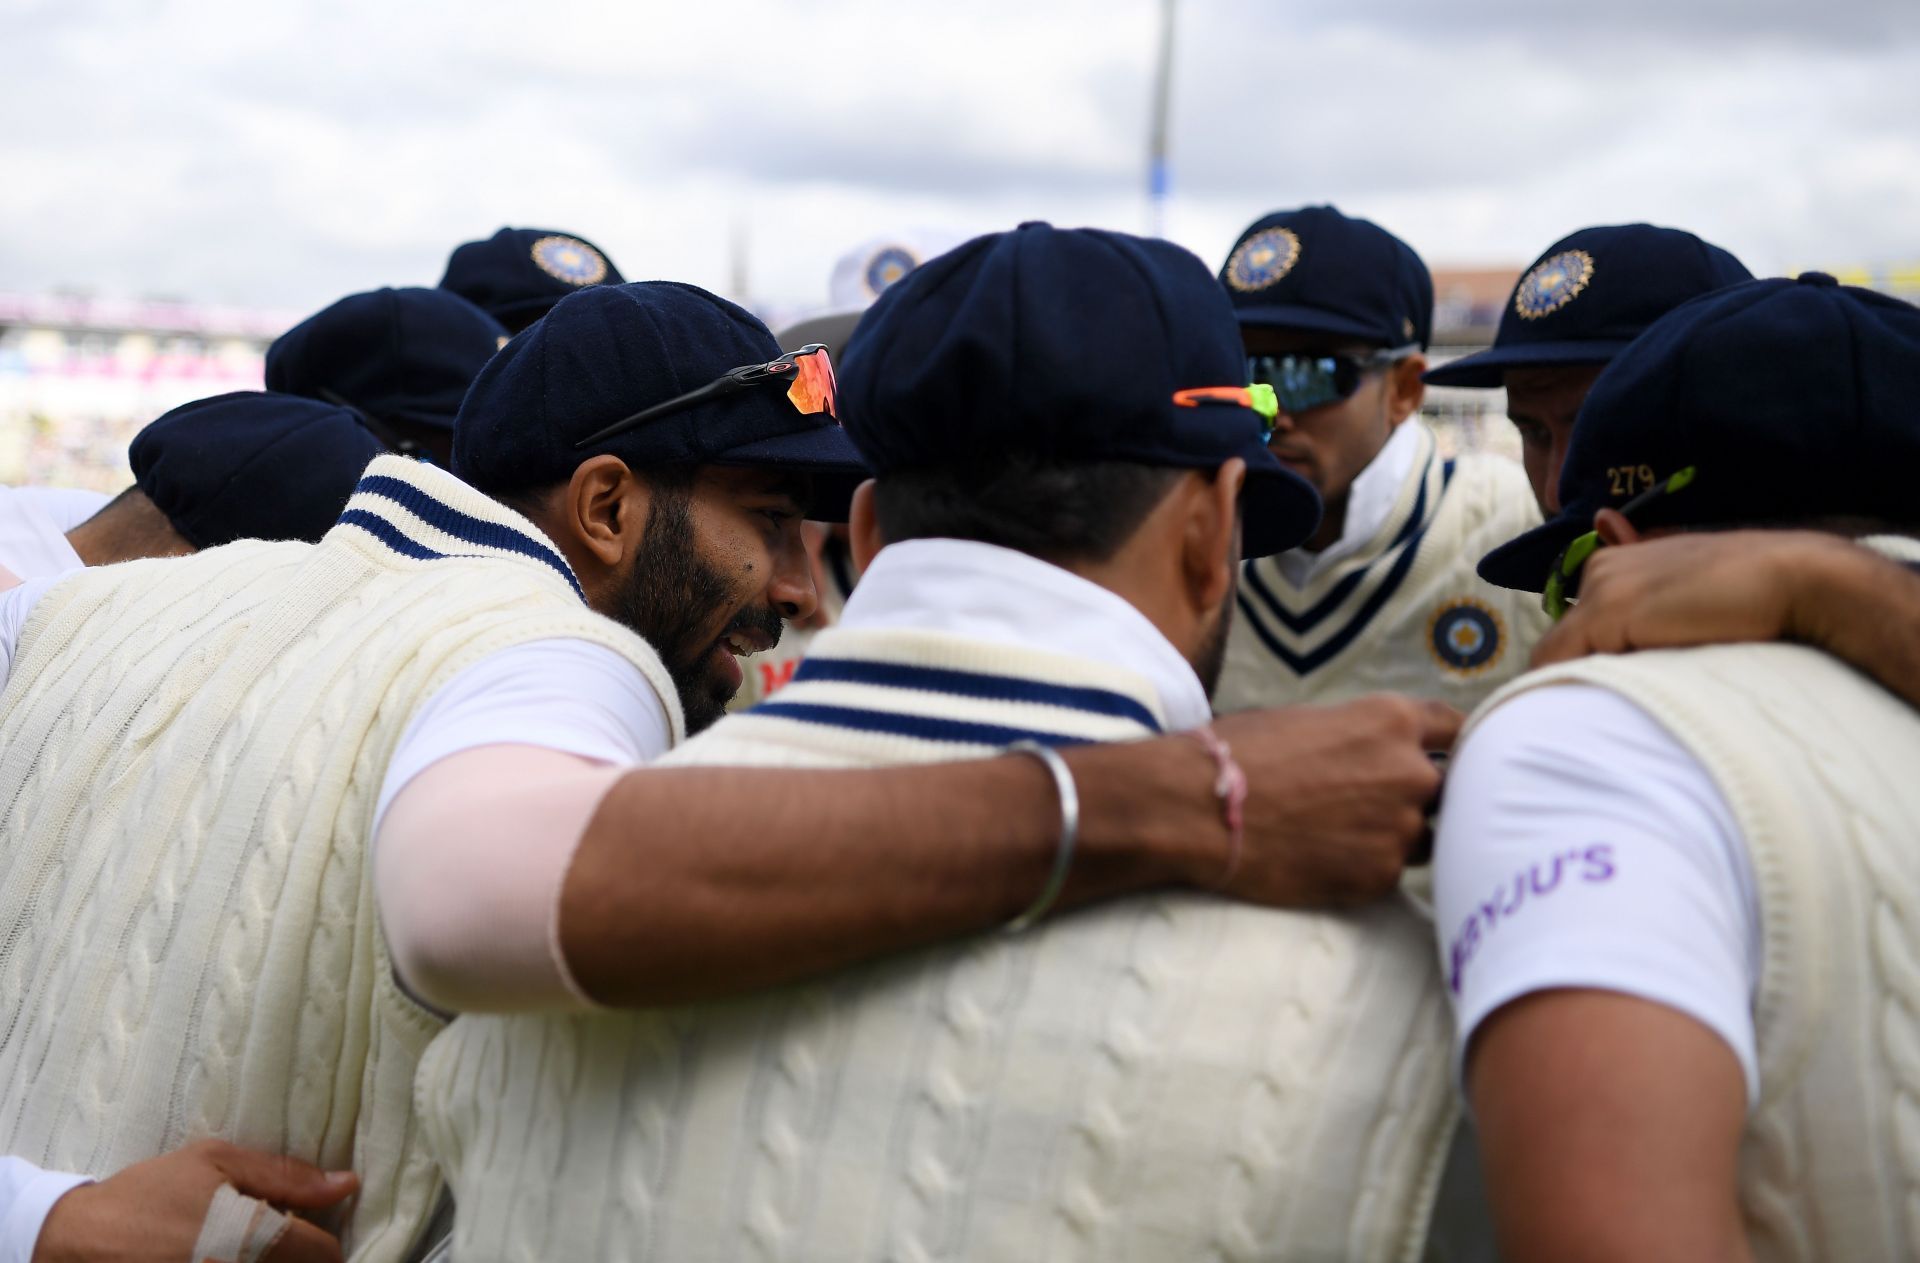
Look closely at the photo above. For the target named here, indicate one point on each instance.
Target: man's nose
(1556, 457)
(792, 591)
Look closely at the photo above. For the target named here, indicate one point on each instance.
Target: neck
(1333, 524)
(129, 528)
(1009, 598)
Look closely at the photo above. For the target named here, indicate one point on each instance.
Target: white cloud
(284, 154)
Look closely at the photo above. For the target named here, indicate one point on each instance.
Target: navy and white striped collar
(1378, 491)
(998, 596)
(418, 511)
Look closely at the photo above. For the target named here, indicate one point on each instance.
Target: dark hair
(532, 500)
(1055, 511)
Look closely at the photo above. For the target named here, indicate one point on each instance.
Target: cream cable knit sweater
(191, 754)
(1171, 1077)
(1819, 766)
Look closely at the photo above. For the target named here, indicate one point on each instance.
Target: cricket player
(1052, 543)
(1675, 888)
(1335, 314)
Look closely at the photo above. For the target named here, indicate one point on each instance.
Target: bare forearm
(1863, 609)
(695, 883)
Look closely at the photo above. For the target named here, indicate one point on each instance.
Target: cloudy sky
(283, 152)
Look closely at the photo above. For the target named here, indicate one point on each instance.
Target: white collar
(1008, 598)
(1370, 501)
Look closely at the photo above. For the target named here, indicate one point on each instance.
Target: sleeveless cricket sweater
(1407, 612)
(1818, 765)
(1165, 1077)
(190, 752)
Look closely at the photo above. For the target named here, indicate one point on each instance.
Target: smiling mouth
(744, 642)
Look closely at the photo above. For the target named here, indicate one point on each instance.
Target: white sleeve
(16, 603)
(1580, 845)
(66, 506)
(568, 695)
(27, 1194)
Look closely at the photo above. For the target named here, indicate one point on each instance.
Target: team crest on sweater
(1466, 636)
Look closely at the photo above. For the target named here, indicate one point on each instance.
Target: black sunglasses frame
(734, 380)
(1348, 370)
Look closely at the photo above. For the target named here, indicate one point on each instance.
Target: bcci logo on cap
(888, 265)
(565, 259)
(1465, 636)
(1553, 283)
(1262, 259)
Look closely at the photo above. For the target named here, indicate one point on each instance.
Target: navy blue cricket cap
(395, 354)
(1590, 295)
(611, 351)
(1068, 345)
(1319, 271)
(251, 465)
(1790, 399)
(518, 274)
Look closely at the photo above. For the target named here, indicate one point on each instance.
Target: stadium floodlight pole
(1158, 175)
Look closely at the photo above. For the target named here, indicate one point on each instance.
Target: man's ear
(602, 511)
(863, 527)
(1212, 543)
(1405, 391)
(1614, 529)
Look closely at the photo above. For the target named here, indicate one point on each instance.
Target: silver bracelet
(1069, 833)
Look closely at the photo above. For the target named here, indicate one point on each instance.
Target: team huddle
(566, 774)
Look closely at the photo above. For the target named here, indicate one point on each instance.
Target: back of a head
(1791, 401)
(251, 465)
(404, 355)
(518, 274)
(1021, 390)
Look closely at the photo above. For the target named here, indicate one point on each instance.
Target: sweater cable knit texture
(1817, 764)
(192, 751)
(1098, 1088)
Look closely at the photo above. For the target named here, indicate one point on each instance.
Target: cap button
(1816, 278)
(1033, 223)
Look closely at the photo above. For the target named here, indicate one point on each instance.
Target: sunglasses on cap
(1259, 397)
(807, 374)
(1305, 380)
(1554, 598)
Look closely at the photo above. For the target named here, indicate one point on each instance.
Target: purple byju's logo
(1529, 886)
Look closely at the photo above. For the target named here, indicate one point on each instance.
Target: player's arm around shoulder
(1818, 589)
(1599, 955)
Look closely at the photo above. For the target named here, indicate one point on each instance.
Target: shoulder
(1581, 844)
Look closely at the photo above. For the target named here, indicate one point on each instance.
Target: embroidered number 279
(1630, 480)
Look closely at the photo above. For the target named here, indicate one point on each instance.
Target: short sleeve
(16, 605)
(568, 695)
(27, 1195)
(1580, 845)
(65, 507)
